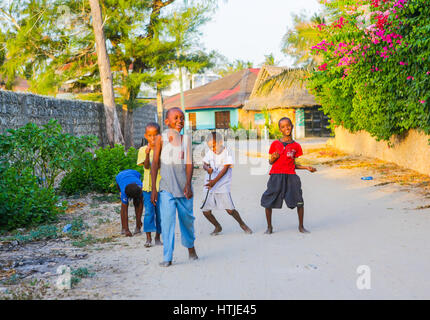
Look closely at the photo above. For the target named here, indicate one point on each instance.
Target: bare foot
(165, 264)
(303, 230)
(192, 255)
(216, 231)
(246, 229)
(158, 242)
(269, 230)
(127, 233)
(137, 231)
(147, 243)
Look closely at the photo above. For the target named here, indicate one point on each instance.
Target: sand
(352, 223)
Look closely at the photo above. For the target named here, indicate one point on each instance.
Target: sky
(249, 29)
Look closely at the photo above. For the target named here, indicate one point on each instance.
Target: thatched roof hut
(229, 92)
(294, 95)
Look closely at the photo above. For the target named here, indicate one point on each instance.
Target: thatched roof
(229, 92)
(294, 96)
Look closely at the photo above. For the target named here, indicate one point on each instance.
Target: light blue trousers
(151, 219)
(168, 207)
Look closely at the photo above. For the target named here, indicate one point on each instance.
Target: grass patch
(45, 232)
(89, 240)
(111, 198)
(79, 274)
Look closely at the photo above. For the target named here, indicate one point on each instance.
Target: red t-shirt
(285, 163)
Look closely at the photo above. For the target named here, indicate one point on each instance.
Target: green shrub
(23, 202)
(375, 77)
(31, 158)
(40, 233)
(46, 150)
(274, 132)
(97, 171)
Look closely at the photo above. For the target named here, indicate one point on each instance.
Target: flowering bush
(376, 70)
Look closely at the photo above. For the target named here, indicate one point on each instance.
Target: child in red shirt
(284, 184)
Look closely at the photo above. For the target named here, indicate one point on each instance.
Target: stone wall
(410, 151)
(75, 116)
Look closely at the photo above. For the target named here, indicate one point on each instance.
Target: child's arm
(221, 174)
(147, 163)
(155, 167)
(188, 193)
(300, 167)
(207, 167)
(273, 157)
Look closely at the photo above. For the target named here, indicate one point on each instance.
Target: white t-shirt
(217, 163)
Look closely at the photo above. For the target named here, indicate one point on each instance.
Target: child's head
(214, 141)
(285, 126)
(151, 131)
(175, 119)
(133, 191)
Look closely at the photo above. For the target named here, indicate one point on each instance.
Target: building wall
(246, 117)
(75, 116)
(411, 151)
(205, 119)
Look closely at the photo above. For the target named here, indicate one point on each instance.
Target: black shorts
(282, 187)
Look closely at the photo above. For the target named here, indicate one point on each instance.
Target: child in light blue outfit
(173, 156)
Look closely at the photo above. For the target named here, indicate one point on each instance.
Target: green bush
(23, 202)
(272, 127)
(46, 150)
(40, 233)
(97, 171)
(375, 77)
(31, 158)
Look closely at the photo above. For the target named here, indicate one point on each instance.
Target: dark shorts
(283, 187)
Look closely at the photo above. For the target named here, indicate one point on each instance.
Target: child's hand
(148, 149)
(312, 169)
(209, 170)
(210, 184)
(187, 192)
(154, 197)
(274, 156)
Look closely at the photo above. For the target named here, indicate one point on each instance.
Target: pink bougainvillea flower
(322, 67)
(422, 101)
(403, 63)
(410, 78)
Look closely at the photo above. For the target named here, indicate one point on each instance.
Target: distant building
(19, 85)
(217, 104)
(190, 81)
(234, 99)
(293, 101)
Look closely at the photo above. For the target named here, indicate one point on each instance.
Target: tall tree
(304, 34)
(231, 67)
(184, 29)
(269, 60)
(112, 124)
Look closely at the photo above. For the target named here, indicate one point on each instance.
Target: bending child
(218, 163)
(173, 156)
(151, 219)
(284, 184)
(129, 184)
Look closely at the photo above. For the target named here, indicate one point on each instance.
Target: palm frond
(286, 79)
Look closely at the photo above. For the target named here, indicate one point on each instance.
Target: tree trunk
(160, 109)
(113, 129)
(127, 125)
(181, 87)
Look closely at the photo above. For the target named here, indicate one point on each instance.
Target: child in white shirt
(218, 163)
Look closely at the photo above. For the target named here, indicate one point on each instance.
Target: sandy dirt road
(352, 223)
